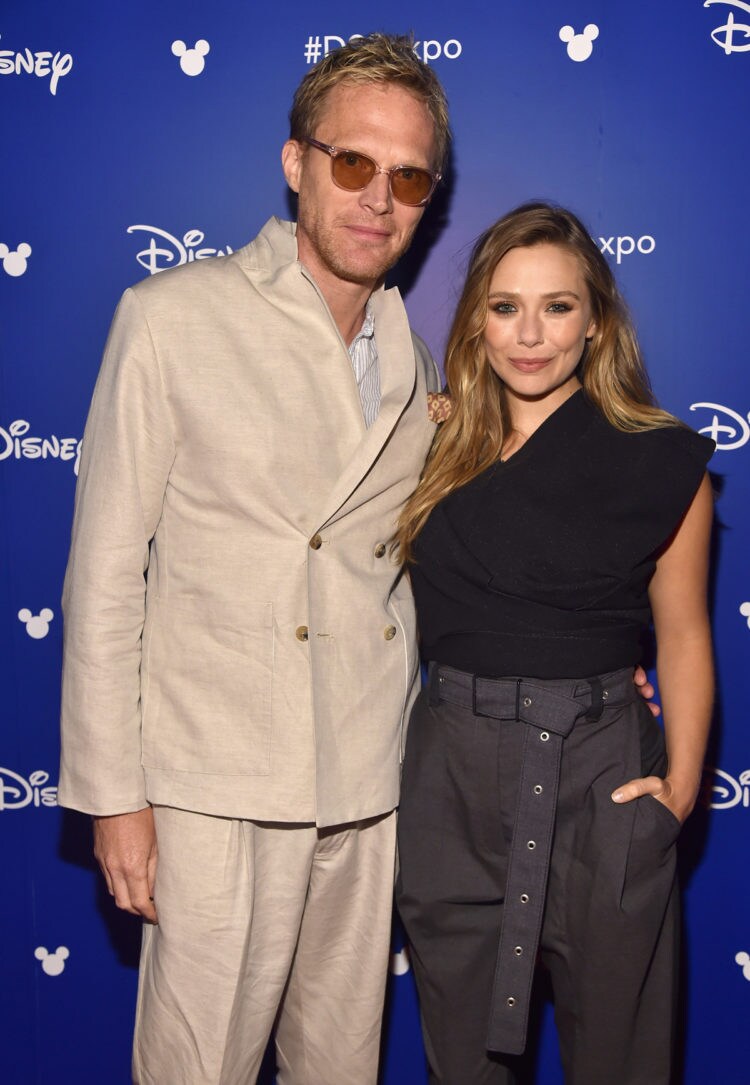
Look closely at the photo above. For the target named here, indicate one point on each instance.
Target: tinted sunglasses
(353, 171)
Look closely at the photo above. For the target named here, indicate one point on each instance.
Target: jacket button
(389, 632)
(316, 542)
(302, 632)
(380, 550)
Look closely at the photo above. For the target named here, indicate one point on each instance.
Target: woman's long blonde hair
(611, 369)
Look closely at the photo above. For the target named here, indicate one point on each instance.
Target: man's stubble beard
(328, 253)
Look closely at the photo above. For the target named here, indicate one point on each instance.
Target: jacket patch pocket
(207, 677)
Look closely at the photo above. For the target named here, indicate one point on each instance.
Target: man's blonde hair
(376, 58)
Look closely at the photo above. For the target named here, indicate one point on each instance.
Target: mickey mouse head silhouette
(15, 263)
(36, 626)
(400, 962)
(579, 45)
(52, 963)
(191, 60)
(743, 960)
(745, 612)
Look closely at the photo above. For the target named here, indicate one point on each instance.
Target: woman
(559, 511)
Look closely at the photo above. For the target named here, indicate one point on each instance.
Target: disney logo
(159, 256)
(735, 427)
(721, 791)
(17, 792)
(41, 63)
(724, 35)
(15, 445)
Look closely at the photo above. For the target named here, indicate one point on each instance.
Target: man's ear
(291, 163)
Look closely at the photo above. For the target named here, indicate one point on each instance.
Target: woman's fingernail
(617, 796)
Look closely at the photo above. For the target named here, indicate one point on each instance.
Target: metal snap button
(538, 789)
(380, 550)
(518, 951)
(524, 898)
(531, 845)
(605, 694)
(389, 632)
(511, 1002)
(302, 632)
(316, 542)
(544, 736)
(526, 702)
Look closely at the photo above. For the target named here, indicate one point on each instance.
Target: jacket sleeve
(422, 353)
(128, 451)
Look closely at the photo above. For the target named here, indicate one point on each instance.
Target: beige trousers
(263, 923)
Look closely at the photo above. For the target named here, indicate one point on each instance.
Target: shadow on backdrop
(434, 221)
(75, 846)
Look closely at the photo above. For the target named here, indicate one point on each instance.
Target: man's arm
(128, 450)
(646, 690)
(684, 660)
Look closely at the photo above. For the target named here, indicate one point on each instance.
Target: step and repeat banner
(138, 136)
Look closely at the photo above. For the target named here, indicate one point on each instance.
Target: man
(239, 651)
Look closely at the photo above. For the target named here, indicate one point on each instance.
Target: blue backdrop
(136, 136)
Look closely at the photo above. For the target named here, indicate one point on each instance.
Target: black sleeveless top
(540, 566)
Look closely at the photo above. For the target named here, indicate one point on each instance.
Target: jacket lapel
(397, 382)
(273, 255)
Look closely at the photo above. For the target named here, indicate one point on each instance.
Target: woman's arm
(684, 662)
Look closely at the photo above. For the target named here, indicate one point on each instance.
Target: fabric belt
(550, 708)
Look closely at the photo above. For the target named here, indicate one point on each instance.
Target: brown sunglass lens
(411, 186)
(352, 171)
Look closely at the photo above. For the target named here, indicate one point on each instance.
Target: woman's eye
(504, 307)
(559, 307)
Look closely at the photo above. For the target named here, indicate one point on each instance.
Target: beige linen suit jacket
(236, 640)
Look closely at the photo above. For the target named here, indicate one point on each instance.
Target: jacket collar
(274, 252)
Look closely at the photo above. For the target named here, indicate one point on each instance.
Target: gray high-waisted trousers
(609, 923)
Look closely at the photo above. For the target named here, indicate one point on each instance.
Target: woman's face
(539, 319)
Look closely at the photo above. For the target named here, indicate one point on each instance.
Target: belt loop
(597, 701)
(433, 688)
(518, 700)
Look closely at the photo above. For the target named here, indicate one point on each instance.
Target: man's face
(356, 237)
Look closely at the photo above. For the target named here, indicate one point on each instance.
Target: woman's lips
(529, 365)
